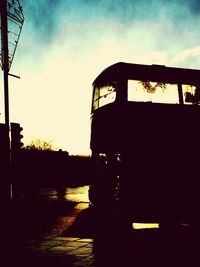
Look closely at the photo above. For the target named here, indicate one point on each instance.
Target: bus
(145, 142)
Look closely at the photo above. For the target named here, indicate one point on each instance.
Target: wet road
(77, 194)
(80, 244)
(62, 232)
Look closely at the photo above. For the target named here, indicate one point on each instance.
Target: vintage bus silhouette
(145, 142)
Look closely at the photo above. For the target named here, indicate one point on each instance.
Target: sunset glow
(64, 45)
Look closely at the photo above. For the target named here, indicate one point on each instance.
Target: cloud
(189, 57)
(156, 57)
(187, 54)
(42, 17)
(194, 6)
(65, 44)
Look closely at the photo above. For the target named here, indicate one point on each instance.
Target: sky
(65, 44)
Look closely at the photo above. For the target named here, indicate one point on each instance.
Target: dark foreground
(60, 233)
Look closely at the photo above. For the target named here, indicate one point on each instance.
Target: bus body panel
(158, 146)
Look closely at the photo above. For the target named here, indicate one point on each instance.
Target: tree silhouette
(152, 88)
(39, 144)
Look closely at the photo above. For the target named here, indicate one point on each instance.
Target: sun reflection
(145, 225)
(77, 194)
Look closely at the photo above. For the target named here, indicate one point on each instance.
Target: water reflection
(77, 194)
(80, 195)
(145, 225)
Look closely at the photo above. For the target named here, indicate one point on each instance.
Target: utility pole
(5, 67)
(4, 28)
(11, 10)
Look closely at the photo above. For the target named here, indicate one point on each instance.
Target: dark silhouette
(112, 246)
(144, 152)
(144, 168)
(34, 168)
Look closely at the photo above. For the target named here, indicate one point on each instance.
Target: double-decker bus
(145, 142)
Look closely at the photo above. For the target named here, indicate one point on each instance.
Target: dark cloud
(42, 17)
(45, 18)
(194, 6)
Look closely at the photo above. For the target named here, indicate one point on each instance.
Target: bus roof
(158, 73)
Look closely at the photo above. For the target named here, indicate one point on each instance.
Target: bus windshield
(104, 94)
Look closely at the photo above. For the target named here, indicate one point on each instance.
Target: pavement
(62, 251)
(64, 234)
(142, 248)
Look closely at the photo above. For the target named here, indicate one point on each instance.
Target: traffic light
(16, 137)
(3, 144)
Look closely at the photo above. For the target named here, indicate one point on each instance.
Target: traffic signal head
(16, 137)
(4, 141)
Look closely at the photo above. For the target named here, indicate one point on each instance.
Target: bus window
(188, 94)
(155, 92)
(104, 95)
